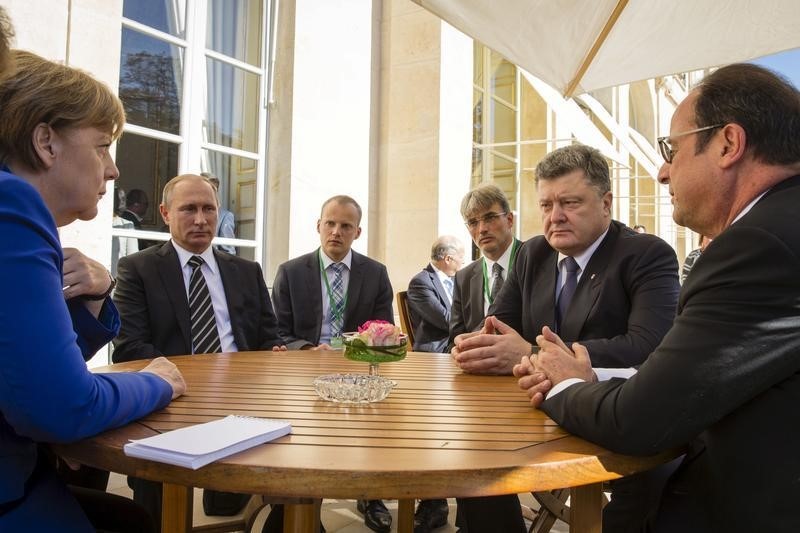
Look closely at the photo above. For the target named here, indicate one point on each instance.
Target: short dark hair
(763, 103)
(567, 159)
(342, 199)
(136, 196)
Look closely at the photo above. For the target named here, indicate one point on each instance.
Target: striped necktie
(497, 284)
(337, 299)
(205, 337)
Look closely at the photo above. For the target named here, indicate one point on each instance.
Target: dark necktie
(567, 290)
(337, 297)
(497, 284)
(205, 337)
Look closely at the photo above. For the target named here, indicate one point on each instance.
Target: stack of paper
(196, 446)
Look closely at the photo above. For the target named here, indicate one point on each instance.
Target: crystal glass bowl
(356, 350)
(353, 388)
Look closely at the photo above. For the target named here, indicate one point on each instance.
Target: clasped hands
(499, 349)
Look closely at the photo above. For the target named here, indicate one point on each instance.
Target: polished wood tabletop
(440, 433)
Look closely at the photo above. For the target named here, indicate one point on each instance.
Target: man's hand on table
(166, 370)
(495, 349)
(554, 363)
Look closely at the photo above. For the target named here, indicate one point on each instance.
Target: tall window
(495, 129)
(192, 80)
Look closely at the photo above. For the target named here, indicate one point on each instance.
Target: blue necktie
(448, 286)
(567, 290)
(337, 299)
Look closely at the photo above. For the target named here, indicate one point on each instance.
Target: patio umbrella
(578, 46)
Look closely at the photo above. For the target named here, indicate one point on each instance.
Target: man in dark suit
(430, 294)
(725, 381)
(622, 286)
(490, 221)
(320, 295)
(153, 293)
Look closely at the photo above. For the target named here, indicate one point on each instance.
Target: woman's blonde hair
(41, 91)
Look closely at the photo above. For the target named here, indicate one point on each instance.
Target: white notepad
(196, 446)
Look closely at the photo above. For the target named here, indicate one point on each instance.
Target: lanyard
(336, 314)
(486, 292)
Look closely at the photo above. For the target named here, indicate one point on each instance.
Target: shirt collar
(583, 258)
(327, 261)
(749, 206)
(184, 255)
(439, 274)
(504, 259)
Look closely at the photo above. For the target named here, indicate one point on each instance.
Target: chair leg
(553, 507)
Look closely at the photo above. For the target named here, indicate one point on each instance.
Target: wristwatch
(97, 297)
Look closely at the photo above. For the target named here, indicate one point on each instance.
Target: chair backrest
(405, 316)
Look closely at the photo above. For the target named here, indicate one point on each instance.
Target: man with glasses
(591, 279)
(490, 222)
(725, 382)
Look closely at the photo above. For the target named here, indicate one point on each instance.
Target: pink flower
(380, 333)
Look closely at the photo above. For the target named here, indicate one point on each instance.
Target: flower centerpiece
(376, 341)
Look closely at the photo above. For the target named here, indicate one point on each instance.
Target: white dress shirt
(504, 261)
(216, 289)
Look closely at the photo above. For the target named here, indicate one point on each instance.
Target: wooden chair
(405, 316)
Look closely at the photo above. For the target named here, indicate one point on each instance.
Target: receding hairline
(342, 199)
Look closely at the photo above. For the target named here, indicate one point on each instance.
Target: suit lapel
(314, 287)
(544, 289)
(354, 285)
(438, 288)
(169, 269)
(588, 289)
(229, 271)
(476, 296)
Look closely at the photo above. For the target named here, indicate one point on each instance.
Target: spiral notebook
(198, 445)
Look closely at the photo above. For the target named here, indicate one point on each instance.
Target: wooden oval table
(439, 434)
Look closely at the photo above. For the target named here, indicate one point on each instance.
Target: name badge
(337, 343)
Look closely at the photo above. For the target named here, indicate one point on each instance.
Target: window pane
(168, 16)
(147, 165)
(237, 189)
(503, 79)
(150, 81)
(504, 128)
(232, 106)
(234, 29)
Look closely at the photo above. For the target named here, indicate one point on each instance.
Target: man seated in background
(334, 289)
(488, 217)
(591, 279)
(430, 295)
(184, 297)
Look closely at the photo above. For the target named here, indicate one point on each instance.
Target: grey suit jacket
(467, 311)
(429, 307)
(725, 380)
(623, 305)
(297, 293)
(152, 303)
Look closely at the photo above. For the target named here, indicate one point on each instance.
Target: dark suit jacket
(467, 312)
(151, 298)
(725, 379)
(297, 292)
(623, 305)
(430, 311)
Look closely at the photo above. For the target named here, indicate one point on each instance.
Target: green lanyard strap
(486, 292)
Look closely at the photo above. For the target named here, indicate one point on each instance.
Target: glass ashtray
(353, 388)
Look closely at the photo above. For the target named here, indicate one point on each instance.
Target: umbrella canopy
(578, 46)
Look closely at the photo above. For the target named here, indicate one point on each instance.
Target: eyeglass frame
(665, 143)
(488, 218)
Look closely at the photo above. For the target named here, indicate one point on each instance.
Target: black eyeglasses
(665, 143)
(487, 219)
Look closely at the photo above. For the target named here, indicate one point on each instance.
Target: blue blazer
(46, 392)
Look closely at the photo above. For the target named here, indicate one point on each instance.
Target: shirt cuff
(562, 386)
(604, 374)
